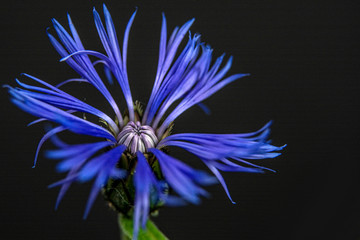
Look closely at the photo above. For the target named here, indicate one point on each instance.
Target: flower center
(137, 137)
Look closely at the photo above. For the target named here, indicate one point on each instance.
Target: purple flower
(132, 149)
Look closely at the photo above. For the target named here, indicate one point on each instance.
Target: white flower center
(137, 137)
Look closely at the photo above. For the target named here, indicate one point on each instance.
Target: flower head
(131, 155)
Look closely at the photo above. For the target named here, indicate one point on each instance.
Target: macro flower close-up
(130, 162)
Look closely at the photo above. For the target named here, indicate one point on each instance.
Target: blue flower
(133, 147)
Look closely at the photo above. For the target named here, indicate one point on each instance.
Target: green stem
(123, 236)
(151, 232)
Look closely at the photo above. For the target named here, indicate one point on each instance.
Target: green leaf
(151, 232)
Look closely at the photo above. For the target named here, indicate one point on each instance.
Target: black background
(303, 57)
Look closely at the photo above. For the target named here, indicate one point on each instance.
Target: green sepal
(151, 232)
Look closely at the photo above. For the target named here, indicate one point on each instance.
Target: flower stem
(123, 236)
(151, 232)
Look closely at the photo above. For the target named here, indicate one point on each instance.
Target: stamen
(137, 137)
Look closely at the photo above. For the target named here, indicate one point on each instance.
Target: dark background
(303, 57)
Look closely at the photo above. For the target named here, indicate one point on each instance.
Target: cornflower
(130, 161)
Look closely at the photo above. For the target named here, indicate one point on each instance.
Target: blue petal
(71, 80)
(218, 146)
(103, 168)
(103, 162)
(80, 63)
(126, 39)
(205, 108)
(117, 65)
(61, 99)
(67, 120)
(65, 187)
(182, 178)
(220, 178)
(75, 156)
(165, 60)
(191, 78)
(44, 138)
(87, 52)
(143, 181)
(103, 34)
(197, 95)
(112, 34)
(74, 33)
(217, 150)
